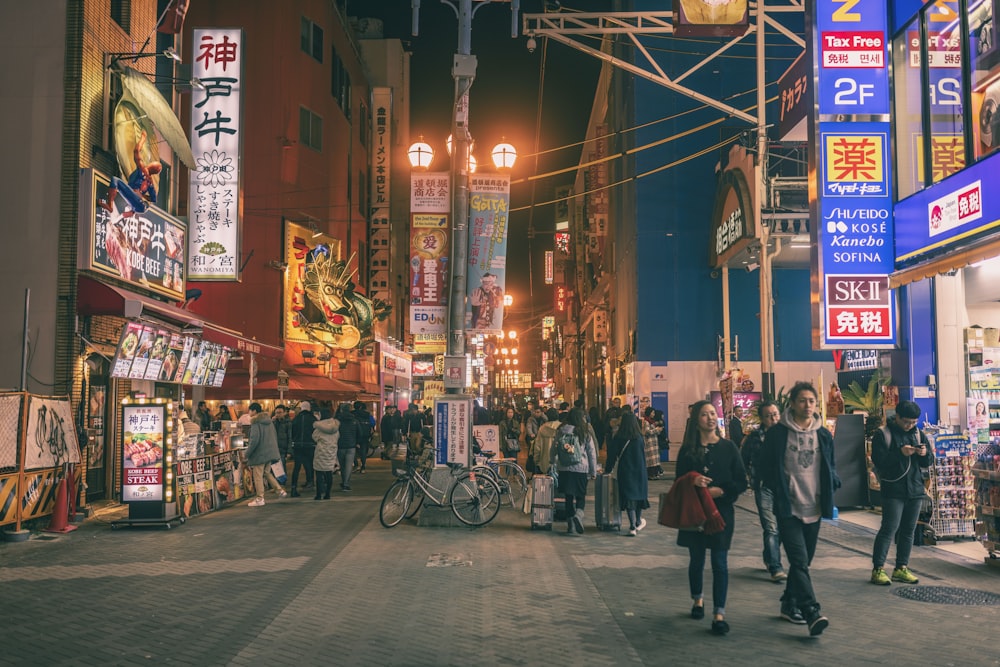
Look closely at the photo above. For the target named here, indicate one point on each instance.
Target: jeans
(346, 459)
(772, 543)
(899, 518)
(363, 454)
(720, 576)
(800, 546)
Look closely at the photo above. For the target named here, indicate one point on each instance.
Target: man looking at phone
(899, 451)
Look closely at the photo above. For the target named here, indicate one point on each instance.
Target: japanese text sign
(214, 197)
(851, 55)
(489, 205)
(144, 432)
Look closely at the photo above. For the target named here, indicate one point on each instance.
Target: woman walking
(720, 469)
(510, 433)
(574, 456)
(796, 463)
(326, 433)
(625, 451)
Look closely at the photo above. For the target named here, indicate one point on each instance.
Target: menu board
(157, 353)
(126, 350)
(144, 429)
(148, 353)
(142, 353)
(194, 486)
(228, 477)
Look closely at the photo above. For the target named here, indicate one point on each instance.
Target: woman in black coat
(626, 450)
(720, 469)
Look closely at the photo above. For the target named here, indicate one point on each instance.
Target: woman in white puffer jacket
(326, 433)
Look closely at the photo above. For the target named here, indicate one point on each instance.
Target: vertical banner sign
(381, 161)
(430, 239)
(489, 202)
(214, 197)
(144, 429)
(855, 230)
(452, 430)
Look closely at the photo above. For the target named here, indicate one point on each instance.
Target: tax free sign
(854, 231)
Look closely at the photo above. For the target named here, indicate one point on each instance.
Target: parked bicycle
(473, 497)
(507, 473)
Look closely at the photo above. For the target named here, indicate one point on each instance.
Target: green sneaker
(880, 578)
(904, 576)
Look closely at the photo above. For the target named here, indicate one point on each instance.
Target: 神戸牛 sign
(214, 197)
(144, 432)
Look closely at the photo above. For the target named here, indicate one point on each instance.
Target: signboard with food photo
(144, 430)
(143, 247)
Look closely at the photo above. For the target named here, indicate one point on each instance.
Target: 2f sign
(845, 12)
(851, 93)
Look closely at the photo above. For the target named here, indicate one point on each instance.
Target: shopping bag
(278, 469)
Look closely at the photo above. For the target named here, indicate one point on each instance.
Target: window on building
(121, 13)
(984, 59)
(312, 39)
(365, 128)
(944, 86)
(340, 86)
(310, 129)
(908, 101)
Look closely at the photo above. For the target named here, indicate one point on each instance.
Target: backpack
(887, 434)
(364, 428)
(569, 450)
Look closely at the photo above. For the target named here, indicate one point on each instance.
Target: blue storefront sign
(851, 57)
(951, 214)
(855, 234)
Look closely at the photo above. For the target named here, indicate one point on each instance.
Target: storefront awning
(237, 386)
(97, 298)
(950, 262)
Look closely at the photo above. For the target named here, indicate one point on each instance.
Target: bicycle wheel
(513, 481)
(415, 502)
(489, 472)
(395, 503)
(475, 499)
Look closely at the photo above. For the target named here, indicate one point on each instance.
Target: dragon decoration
(325, 306)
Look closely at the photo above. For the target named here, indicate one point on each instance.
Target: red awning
(237, 386)
(97, 298)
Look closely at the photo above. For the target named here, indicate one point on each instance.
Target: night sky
(504, 103)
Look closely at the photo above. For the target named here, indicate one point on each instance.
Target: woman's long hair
(629, 427)
(579, 423)
(691, 445)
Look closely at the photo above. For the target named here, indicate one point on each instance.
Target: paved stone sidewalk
(299, 582)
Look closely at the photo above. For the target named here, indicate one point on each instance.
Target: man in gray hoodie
(263, 449)
(796, 463)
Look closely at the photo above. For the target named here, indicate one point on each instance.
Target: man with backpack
(899, 451)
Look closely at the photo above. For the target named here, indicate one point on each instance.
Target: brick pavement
(299, 582)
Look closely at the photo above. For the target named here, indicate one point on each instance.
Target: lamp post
(464, 72)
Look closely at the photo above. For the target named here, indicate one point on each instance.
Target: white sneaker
(282, 493)
(641, 525)
(256, 502)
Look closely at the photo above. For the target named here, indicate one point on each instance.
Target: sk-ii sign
(854, 231)
(851, 53)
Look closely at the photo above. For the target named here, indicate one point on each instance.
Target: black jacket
(302, 428)
(770, 468)
(350, 433)
(413, 422)
(723, 464)
(900, 476)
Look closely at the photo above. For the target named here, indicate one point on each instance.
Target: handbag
(613, 474)
(278, 470)
(513, 446)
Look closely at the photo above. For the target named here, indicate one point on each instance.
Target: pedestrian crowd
(787, 462)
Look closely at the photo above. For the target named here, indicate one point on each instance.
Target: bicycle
(507, 474)
(474, 498)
